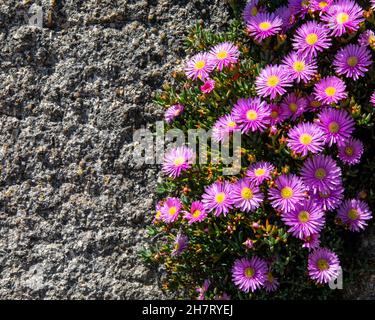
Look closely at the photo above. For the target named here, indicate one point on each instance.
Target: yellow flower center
(324, 195)
(259, 172)
(352, 61)
(222, 55)
(303, 216)
(220, 197)
(320, 173)
(299, 66)
(179, 161)
(177, 246)
(287, 192)
(264, 26)
(158, 214)
(247, 193)
(323, 4)
(293, 107)
(311, 39)
(349, 151)
(196, 213)
(231, 124)
(273, 81)
(249, 272)
(315, 104)
(342, 18)
(333, 127)
(251, 115)
(172, 210)
(323, 264)
(254, 11)
(330, 91)
(353, 214)
(270, 277)
(274, 114)
(200, 64)
(305, 139)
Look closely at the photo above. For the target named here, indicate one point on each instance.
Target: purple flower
(223, 296)
(259, 172)
(367, 38)
(208, 86)
(249, 274)
(336, 124)
(177, 160)
(223, 127)
(300, 68)
(351, 151)
(354, 214)
(293, 105)
(288, 192)
(330, 199)
(277, 115)
(288, 20)
(180, 244)
(252, 9)
(251, 114)
(321, 174)
(170, 210)
(246, 196)
(202, 290)
(372, 99)
(311, 38)
(305, 220)
(320, 5)
(224, 55)
(330, 90)
(352, 61)
(323, 265)
(263, 25)
(271, 284)
(249, 243)
(217, 198)
(306, 137)
(197, 212)
(199, 66)
(158, 212)
(313, 104)
(272, 81)
(343, 16)
(299, 7)
(312, 241)
(172, 112)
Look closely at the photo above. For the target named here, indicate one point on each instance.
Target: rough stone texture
(73, 205)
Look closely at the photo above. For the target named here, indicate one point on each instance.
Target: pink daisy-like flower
(223, 127)
(320, 5)
(330, 90)
(170, 210)
(197, 212)
(251, 9)
(177, 160)
(311, 242)
(313, 104)
(301, 68)
(372, 99)
(202, 290)
(321, 173)
(329, 199)
(158, 212)
(199, 66)
(323, 265)
(299, 7)
(208, 86)
(337, 125)
(287, 193)
(306, 137)
(249, 274)
(251, 114)
(271, 284)
(352, 61)
(294, 105)
(173, 112)
(277, 115)
(217, 198)
(272, 81)
(288, 20)
(343, 16)
(246, 196)
(259, 172)
(180, 244)
(224, 55)
(311, 38)
(354, 213)
(367, 38)
(351, 151)
(305, 220)
(264, 25)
